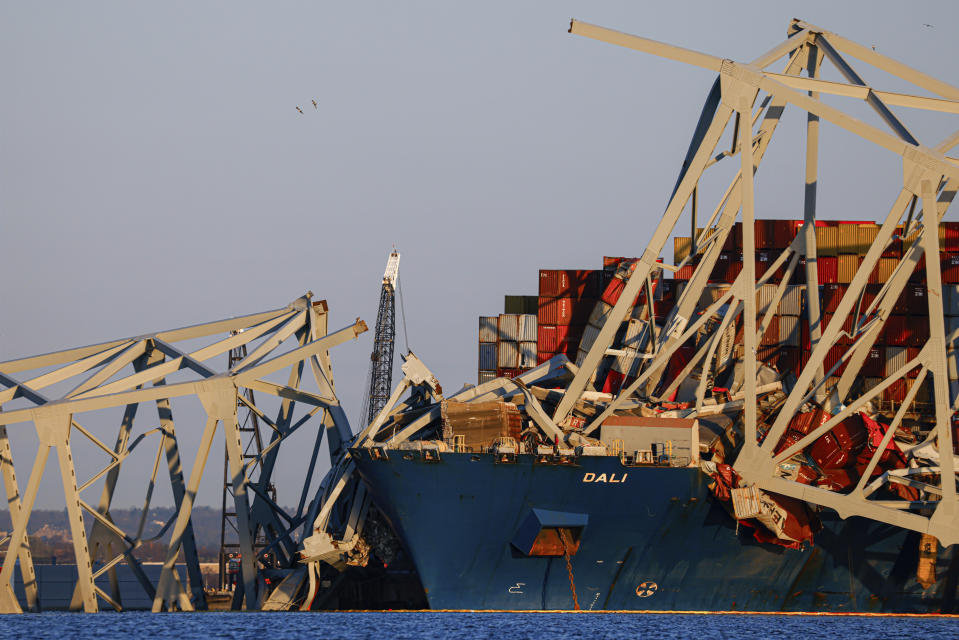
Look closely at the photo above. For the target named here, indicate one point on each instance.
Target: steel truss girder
(928, 177)
(97, 379)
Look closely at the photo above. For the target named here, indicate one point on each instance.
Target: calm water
(468, 626)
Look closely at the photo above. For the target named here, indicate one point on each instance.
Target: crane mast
(381, 359)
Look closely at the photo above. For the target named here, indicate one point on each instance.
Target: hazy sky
(154, 172)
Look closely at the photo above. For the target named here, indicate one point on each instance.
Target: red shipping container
(787, 440)
(806, 474)
(613, 383)
(763, 234)
(510, 373)
(610, 263)
(837, 479)
(799, 273)
(950, 236)
(686, 272)
(827, 452)
(832, 293)
(764, 258)
(559, 311)
(917, 301)
(808, 421)
(568, 283)
(875, 363)
(834, 356)
(827, 269)
(771, 337)
(614, 288)
(949, 263)
(917, 331)
(850, 434)
(542, 356)
(895, 392)
(555, 338)
(896, 331)
(768, 354)
(734, 240)
(911, 354)
(918, 274)
(789, 359)
(784, 231)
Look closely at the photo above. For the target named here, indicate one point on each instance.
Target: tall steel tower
(381, 360)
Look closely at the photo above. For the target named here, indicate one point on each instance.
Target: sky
(155, 173)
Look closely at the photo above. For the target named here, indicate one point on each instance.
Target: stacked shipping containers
(566, 299)
(572, 305)
(841, 246)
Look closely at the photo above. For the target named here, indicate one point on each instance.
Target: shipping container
(918, 330)
(558, 338)
(834, 358)
(832, 293)
(883, 270)
(846, 266)
(589, 337)
(520, 304)
(763, 234)
(508, 326)
(867, 235)
(875, 363)
(526, 330)
(771, 336)
(848, 238)
(527, 354)
(896, 357)
(949, 264)
(568, 283)
(485, 376)
(564, 310)
(949, 232)
(792, 300)
(487, 355)
(897, 330)
(827, 240)
(681, 249)
(600, 313)
(950, 299)
(784, 231)
(507, 354)
(789, 333)
(827, 269)
(488, 328)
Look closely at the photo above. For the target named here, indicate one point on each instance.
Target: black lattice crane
(381, 360)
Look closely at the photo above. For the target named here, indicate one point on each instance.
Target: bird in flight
(314, 104)
(300, 110)
(928, 25)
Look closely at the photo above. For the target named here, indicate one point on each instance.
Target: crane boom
(381, 359)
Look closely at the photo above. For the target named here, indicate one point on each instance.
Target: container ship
(761, 421)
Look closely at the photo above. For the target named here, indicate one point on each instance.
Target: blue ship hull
(652, 538)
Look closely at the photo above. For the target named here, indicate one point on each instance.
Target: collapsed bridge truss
(54, 394)
(753, 99)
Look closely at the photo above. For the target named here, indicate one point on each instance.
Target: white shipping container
(789, 330)
(527, 328)
(637, 332)
(487, 355)
(508, 354)
(895, 357)
(509, 327)
(791, 304)
(527, 354)
(764, 297)
(600, 313)
(488, 328)
(485, 376)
